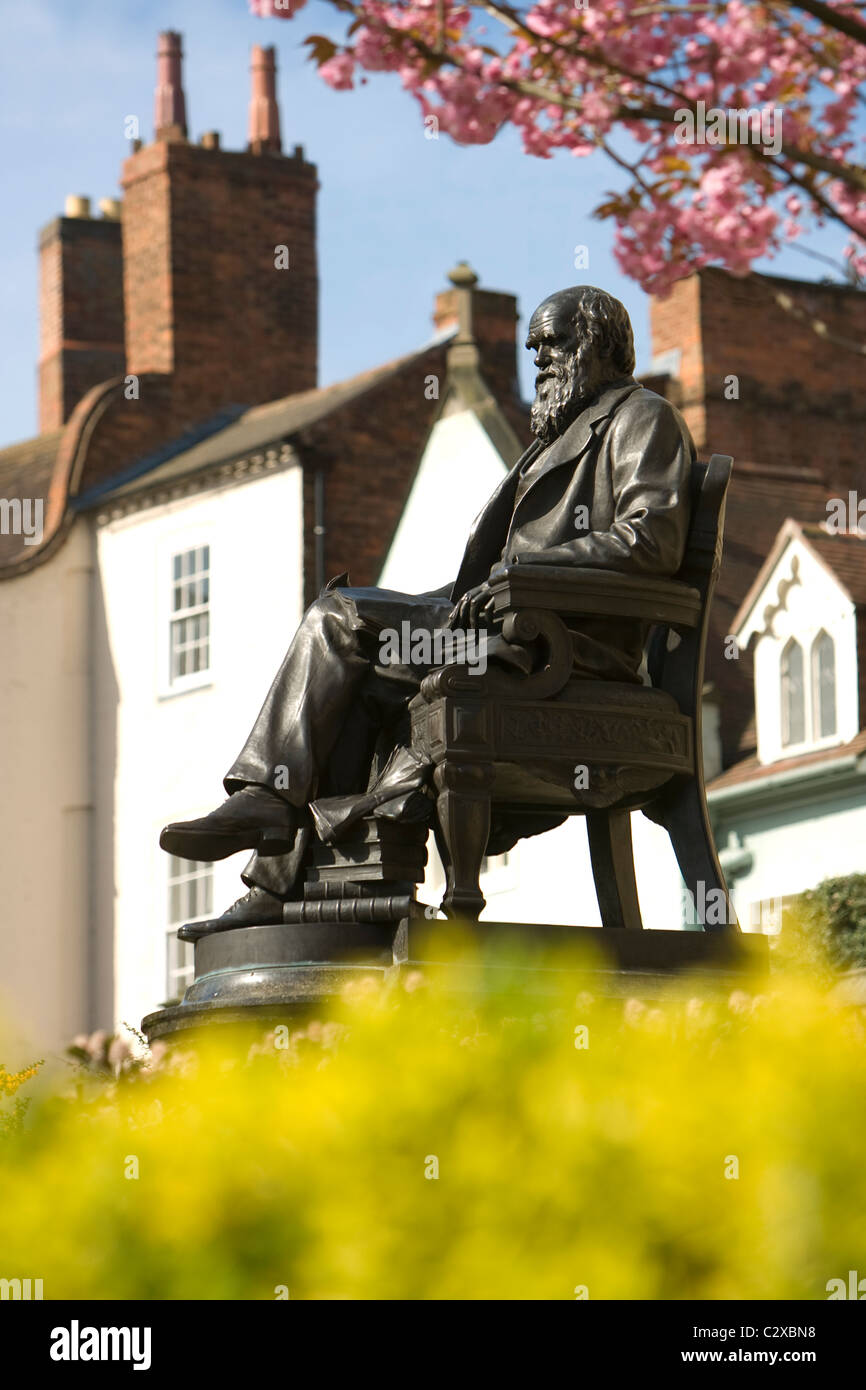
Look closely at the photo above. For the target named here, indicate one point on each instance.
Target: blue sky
(395, 210)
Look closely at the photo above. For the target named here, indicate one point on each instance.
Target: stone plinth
(261, 976)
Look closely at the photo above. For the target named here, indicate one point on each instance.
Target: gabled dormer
(805, 617)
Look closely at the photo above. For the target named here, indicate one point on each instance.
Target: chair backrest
(703, 552)
(680, 671)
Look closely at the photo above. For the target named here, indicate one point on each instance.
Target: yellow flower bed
(419, 1146)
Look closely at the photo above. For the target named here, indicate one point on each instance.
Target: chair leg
(612, 857)
(463, 812)
(684, 815)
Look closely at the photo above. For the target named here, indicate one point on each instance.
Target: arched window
(793, 695)
(823, 686)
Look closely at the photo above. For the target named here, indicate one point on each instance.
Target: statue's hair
(602, 323)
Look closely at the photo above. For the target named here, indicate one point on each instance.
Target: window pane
(179, 966)
(190, 890)
(190, 651)
(793, 704)
(823, 686)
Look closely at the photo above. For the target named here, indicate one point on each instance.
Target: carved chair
(518, 744)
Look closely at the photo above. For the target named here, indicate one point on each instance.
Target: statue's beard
(559, 398)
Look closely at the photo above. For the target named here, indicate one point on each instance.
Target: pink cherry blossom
(625, 75)
(337, 71)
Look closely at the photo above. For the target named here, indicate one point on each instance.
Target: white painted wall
(794, 847)
(46, 806)
(548, 878)
(170, 751)
(459, 470)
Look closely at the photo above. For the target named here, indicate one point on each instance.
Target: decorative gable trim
(276, 459)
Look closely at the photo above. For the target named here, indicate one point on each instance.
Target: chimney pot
(77, 205)
(210, 140)
(264, 124)
(463, 275)
(110, 208)
(169, 116)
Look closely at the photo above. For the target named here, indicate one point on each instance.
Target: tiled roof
(843, 552)
(750, 770)
(263, 425)
(27, 463)
(25, 471)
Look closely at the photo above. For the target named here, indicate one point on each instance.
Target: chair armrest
(595, 593)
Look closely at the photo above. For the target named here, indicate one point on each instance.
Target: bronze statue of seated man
(605, 484)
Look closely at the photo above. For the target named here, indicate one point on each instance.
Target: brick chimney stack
(487, 319)
(80, 306)
(798, 407)
(169, 108)
(220, 271)
(264, 124)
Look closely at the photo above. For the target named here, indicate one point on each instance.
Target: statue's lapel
(491, 526)
(577, 438)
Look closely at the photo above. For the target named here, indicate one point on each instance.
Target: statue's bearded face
(569, 373)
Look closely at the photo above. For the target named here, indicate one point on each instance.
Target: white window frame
(178, 978)
(811, 742)
(181, 543)
(794, 644)
(182, 871)
(815, 685)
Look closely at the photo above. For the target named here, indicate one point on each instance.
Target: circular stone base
(259, 976)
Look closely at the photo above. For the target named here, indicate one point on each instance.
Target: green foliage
(826, 927)
(579, 1142)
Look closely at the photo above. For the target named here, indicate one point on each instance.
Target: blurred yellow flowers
(486, 1142)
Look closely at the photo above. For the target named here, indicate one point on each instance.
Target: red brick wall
(80, 312)
(369, 451)
(796, 430)
(801, 400)
(203, 297)
(801, 395)
(675, 325)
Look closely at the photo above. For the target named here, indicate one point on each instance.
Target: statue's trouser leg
(331, 666)
(305, 706)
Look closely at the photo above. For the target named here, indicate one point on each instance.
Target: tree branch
(833, 18)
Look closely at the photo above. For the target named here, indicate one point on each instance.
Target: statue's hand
(473, 610)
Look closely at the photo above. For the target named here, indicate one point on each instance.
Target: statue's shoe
(253, 818)
(255, 909)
